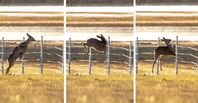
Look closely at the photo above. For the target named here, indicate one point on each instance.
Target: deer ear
(28, 34)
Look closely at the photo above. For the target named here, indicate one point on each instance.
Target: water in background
(15, 32)
(184, 32)
(116, 33)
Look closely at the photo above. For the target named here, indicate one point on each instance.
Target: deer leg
(85, 48)
(88, 50)
(11, 63)
(164, 62)
(156, 57)
(161, 63)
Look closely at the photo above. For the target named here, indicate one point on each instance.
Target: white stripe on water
(32, 9)
(99, 15)
(31, 14)
(85, 36)
(155, 35)
(167, 14)
(100, 9)
(18, 32)
(179, 8)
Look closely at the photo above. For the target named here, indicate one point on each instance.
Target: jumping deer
(99, 45)
(167, 50)
(18, 52)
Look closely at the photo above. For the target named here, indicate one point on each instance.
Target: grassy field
(15, 19)
(167, 87)
(98, 88)
(32, 87)
(157, 20)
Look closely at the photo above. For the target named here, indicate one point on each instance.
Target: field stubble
(167, 87)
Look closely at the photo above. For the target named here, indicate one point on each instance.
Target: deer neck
(27, 42)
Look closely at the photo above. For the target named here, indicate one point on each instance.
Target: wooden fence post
(41, 55)
(158, 60)
(136, 54)
(108, 57)
(176, 55)
(90, 60)
(130, 57)
(2, 61)
(22, 60)
(69, 56)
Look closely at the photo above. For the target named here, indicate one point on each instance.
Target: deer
(99, 45)
(19, 52)
(168, 50)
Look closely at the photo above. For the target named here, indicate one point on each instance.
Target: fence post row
(176, 55)
(158, 60)
(2, 54)
(108, 57)
(136, 55)
(130, 57)
(22, 60)
(65, 56)
(41, 55)
(90, 60)
(63, 60)
(69, 56)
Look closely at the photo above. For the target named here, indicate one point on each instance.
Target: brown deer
(99, 45)
(163, 51)
(18, 52)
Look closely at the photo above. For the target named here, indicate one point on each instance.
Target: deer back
(164, 50)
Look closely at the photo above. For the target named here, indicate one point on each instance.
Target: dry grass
(98, 88)
(32, 87)
(167, 87)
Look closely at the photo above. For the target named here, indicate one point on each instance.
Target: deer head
(102, 38)
(30, 38)
(167, 41)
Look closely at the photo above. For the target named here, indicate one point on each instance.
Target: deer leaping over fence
(19, 52)
(99, 45)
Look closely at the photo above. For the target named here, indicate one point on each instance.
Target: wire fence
(184, 54)
(39, 56)
(116, 53)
